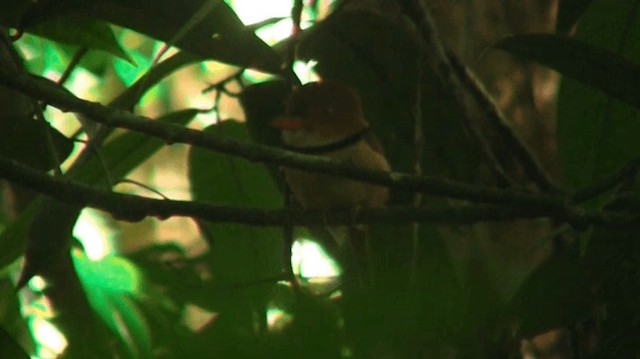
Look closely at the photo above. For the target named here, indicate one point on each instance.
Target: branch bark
(57, 96)
(134, 208)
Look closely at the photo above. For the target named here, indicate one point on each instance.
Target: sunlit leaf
(111, 284)
(128, 72)
(132, 95)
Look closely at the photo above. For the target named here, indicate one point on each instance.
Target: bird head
(327, 109)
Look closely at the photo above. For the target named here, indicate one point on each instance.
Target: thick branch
(134, 208)
(52, 93)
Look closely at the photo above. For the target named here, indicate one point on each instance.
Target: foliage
(239, 297)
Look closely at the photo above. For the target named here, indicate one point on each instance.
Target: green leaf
(239, 253)
(132, 95)
(127, 72)
(596, 133)
(242, 258)
(110, 284)
(81, 30)
(596, 126)
(218, 34)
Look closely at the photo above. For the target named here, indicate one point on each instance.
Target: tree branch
(58, 96)
(55, 95)
(134, 208)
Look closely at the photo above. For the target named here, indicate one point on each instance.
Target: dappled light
(319, 179)
(52, 341)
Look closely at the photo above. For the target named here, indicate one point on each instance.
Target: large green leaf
(111, 285)
(598, 134)
(81, 30)
(597, 129)
(244, 259)
(207, 29)
(73, 29)
(132, 95)
(239, 253)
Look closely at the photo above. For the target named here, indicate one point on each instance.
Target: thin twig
(467, 92)
(417, 169)
(145, 186)
(287, 228)
(75, 60)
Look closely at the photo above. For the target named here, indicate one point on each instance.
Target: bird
(325, 118)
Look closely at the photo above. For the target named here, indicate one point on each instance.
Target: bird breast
(321, 191)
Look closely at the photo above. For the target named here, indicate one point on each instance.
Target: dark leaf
(26, 140)
(613, 261)
(11, 348)
(239, 253)
(218, 34)
(13, 236)
(132, 95)
(48, 239)
(596, 132)
(81, 30)
(262, 103)
(555, 295)
(242, 258)
(569, 11)
(603, 69)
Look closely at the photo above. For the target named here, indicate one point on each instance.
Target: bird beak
(290, 124)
